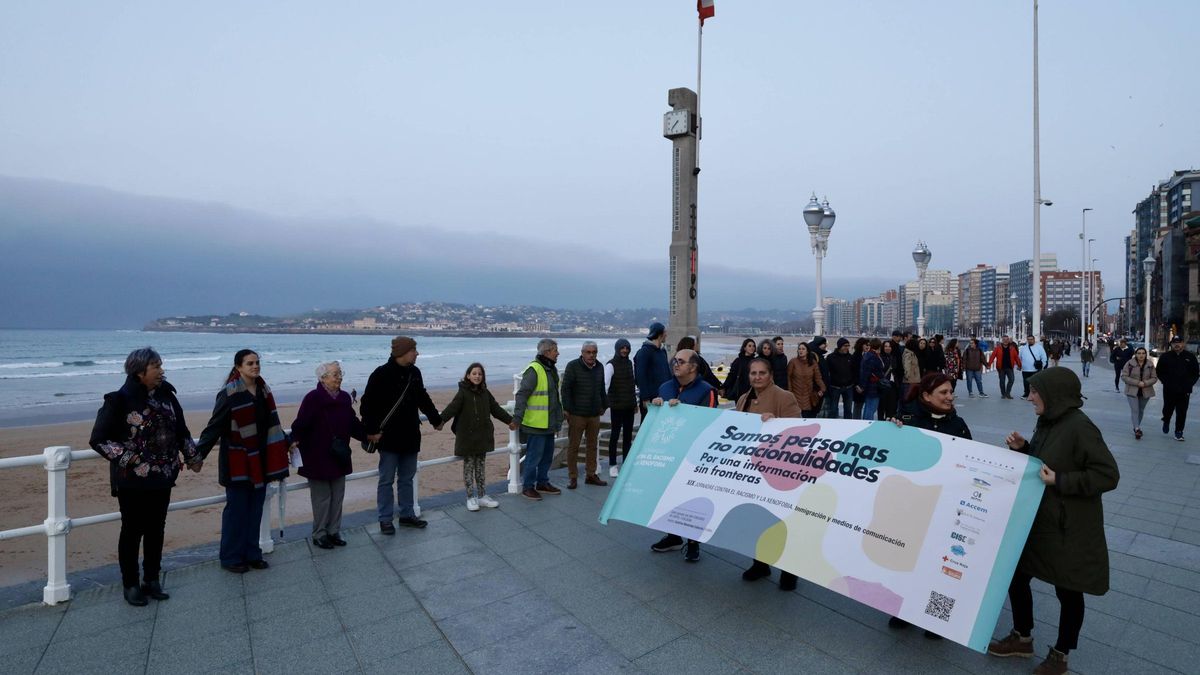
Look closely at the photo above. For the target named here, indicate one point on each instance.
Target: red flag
(706, 9)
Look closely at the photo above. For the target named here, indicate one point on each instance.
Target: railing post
(514, 462)
(265, 541)
(58, 525)
(416, 488)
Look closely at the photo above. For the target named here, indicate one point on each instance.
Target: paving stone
(280, 601)
(534, 559)
(686, 654)
(393, 635)
(636, 633)
(114, 649)
(178, 620)
(19, 659)
(506, 541)
(1166, 551)
(283, 630)
(81, 621)
(904, 658)
(1161, 648)
(500, 620)
(471, 593)
(454, 569)
(431, 550)
(208, 652)
(559, 645)
(288, 575)
(330, 654)
(434, 658)
(370, 606)
(28, 627)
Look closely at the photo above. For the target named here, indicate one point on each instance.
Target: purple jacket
(321, 418)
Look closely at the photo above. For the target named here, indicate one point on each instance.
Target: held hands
(656, 401)
(1015, 441)
(438, 427)
(512, 426)
(1047, 475)
(897, 421)
(673, 402)
(374, 438)
(196, 466)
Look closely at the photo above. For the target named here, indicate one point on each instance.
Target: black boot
(759, 570)
(133, 595)
(154, 590)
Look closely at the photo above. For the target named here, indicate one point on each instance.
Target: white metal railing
(56, 460)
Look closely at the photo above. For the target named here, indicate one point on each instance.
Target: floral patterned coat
(142, 435)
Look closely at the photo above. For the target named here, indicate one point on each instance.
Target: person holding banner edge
(769, 401)
(689, 388)
(933, 399)
(1066, 545)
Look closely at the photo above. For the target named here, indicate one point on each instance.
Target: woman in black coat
(140, 430)
(737, 382)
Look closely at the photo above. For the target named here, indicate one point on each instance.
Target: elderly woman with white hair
(323, 428)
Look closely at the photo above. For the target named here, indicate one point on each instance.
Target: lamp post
(921, 256)
(1012, 299)
(1093, 294)
(1147, 278)
(1038, 202)
(819, 220)
(1083, 296)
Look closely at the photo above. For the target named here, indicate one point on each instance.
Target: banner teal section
(1029, 496)
(661, 446)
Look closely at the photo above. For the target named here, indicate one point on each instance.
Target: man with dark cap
(842, 378)
(391, 405)
(1118, 356)
(650, 365)
(1177, 373)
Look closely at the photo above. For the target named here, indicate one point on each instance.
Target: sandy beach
(88, 492)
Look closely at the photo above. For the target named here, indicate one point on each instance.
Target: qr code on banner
(940, 606)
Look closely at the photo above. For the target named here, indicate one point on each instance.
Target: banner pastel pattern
(916, 524)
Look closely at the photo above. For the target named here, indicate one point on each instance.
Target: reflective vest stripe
(537, 407)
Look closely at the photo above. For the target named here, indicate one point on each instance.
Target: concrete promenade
(544, 588)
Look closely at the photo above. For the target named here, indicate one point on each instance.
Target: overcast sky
(543, 119)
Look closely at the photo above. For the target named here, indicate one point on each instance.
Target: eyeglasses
(679, 362)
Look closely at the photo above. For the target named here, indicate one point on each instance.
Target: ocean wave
(178, 359)
(287, 362)
(81, 373)
(43, 364)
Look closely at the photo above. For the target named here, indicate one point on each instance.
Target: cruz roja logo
(956, 536)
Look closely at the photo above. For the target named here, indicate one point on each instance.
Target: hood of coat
(1060, 390)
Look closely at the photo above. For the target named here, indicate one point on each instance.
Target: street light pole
(1013, 303)
(1083, 296)
(1147, 278)
(921, 256)
(819, 218)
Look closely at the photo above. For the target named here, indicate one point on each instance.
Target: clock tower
(681, 126)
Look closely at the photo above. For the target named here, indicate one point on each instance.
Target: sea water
(62, 375)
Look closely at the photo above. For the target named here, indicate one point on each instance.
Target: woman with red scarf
(254, 452)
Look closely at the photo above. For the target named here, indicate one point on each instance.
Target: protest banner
(919, 525)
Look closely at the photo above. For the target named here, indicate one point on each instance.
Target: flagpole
(699, 61)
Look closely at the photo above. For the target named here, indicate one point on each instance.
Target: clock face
(676, 123)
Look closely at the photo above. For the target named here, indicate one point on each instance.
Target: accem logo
(974, 507)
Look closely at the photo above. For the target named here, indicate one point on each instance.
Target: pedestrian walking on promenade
(737, 382)
(650, 365)
(934, 411)
(768, 401)
(688, 388)
(1118, 357)
(253, 452)
(804, 381)
(539, 414)
(472, 410)
(1139, 377)
(1177, 371)
(954, 360)
(1055, 352)
(890, 383)
(842, 379)
(322, 430)
(1066, 546)
(141, 431)
(1086, 357)
(392, 403)
(1004, 358)
(1033, 359)
(584, 400)
(622, 402)
(871, 375)
(973, 361)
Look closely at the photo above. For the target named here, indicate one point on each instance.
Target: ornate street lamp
(1147, 278)
(819, 218)
(921, 256)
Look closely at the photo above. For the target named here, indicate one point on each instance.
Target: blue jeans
(870, 407)
(1087, 368)
(846, 396)
(976, 375)
(539, 452)
(240, 521)
(399, 469)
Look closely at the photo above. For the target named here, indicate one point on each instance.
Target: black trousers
(143, 519)
(620, 428)
(1177, 404)
(1025, 375)
(887, 402)
(1070, 617)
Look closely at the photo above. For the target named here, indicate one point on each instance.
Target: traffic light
(1091, 329)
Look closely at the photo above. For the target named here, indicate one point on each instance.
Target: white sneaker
(472, 504)
(488, 502)
(613, 471)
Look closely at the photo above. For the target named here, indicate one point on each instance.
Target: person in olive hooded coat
(472, 410)
(1066, 546)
